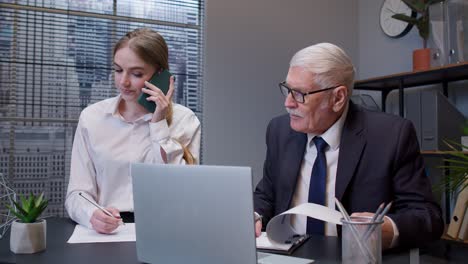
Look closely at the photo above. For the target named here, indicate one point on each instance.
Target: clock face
(392, 27)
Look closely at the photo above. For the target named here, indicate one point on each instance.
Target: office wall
(248, 48)
(380, 55)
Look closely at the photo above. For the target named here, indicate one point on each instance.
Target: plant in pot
(421, 57)
(457, 166)
(455, 183)
(28, 233)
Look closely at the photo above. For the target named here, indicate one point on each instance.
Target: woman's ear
(340, 97)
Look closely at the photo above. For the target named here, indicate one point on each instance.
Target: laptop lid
(193, 214)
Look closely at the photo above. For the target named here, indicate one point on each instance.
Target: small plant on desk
(28, 234)
(30, 208)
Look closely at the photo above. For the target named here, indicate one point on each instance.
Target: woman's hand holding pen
(104, 223)
(162, 101)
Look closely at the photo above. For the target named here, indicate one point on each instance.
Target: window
(55, 59)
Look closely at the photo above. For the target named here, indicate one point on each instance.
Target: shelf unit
(401, 81)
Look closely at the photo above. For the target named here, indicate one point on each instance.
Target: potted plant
(28, 234)
(455, 184)
(457, 165)
(421, 57)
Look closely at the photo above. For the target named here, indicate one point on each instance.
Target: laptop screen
(193, 214)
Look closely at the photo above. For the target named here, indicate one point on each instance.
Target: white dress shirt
(104, 146)
(301, 195)
(332, 136)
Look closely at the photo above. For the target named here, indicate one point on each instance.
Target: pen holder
(361, 240)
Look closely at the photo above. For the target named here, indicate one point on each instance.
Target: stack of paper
(82, 234)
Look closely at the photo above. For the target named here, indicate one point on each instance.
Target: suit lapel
(294, 154)
(351, 146)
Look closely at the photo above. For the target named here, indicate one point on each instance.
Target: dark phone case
(160, 80)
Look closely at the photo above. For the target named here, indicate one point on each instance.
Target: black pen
(100, 207)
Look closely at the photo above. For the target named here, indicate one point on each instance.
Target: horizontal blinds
(55, 59)
(64, 60)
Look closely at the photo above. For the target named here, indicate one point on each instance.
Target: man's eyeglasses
(299, 96)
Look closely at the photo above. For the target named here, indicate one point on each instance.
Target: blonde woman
(117, 131)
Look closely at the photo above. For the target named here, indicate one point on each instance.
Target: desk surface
(322, 249)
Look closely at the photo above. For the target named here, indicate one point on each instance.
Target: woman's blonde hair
(151, 47)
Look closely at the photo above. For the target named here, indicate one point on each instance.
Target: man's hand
(103, 223)
(258, 228)
(387, 229)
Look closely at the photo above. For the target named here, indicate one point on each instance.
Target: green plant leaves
(457, 169)
(416, 5)
(29, 209)
(422, 22)
(423, 27)
(405, 18)
(39, 200)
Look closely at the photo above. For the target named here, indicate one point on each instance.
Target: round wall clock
(392, 27)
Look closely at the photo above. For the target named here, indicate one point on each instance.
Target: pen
(364, 248)
(379, 218)
(100, 207)
(379, 210)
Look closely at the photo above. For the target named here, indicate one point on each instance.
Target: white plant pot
(27, 238)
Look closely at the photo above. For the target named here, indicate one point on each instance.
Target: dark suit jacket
(379, 161)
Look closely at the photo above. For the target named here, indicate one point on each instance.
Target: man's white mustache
(294, 112)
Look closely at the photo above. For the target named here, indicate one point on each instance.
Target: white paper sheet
(264, 243)
(279, 229)
(83, 234)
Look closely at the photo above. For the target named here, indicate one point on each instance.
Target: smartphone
(160, 80)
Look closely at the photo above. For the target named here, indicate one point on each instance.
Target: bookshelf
(401, 81)
(438, 75)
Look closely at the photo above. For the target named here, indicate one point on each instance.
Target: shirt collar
(333, 135)
(113, 110)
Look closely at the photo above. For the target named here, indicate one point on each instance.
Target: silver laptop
(196, 214)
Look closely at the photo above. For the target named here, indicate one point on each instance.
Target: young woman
(117, 131)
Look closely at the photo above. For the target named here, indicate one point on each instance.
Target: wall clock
(392, 27)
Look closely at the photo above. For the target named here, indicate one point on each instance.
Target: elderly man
(327, 147)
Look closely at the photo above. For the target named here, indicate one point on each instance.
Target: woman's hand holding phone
(162, 101)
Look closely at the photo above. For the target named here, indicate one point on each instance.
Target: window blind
(56, 58)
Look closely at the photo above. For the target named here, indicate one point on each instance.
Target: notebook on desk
(196, 214)
(265, 245)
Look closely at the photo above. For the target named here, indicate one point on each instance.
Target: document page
(264, 243)
(279, 229)
(123, 233)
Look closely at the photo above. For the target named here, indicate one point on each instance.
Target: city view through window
(56, 59)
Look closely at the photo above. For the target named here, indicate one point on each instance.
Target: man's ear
(340, 98)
